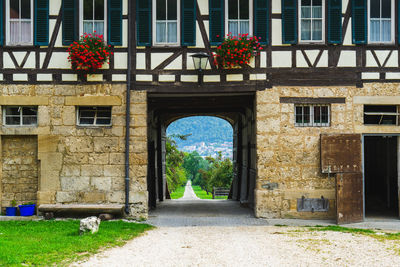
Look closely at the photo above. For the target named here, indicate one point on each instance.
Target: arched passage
(237, 109)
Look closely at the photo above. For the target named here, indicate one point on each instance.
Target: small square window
(19, 115)
(381, 115)
(312, 115)
(94, 116)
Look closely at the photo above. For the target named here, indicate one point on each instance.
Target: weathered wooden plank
(313, 100)
(341, 153)
(349, 198)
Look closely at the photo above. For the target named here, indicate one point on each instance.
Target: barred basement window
(94, 116)
(19, 116)
(312, 115)
(381, 114)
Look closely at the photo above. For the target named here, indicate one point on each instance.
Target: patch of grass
(55, 242)
(178, 193)
(368, 232)
(200, 193)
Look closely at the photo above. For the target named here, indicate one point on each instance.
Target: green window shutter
(42, 22)
(114, 28)
(289, 21)
(143, 22)
(335, 21)
(261, 20)
(217, 18)
(1, 22)
(188, 22)
(359, 21)
(69, 21)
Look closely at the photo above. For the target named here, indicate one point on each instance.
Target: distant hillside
(203, 129)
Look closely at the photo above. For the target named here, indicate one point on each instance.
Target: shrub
(89, 53)
(236, 51)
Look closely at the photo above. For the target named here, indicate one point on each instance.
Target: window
(380, 18)
(377, 115)
(93, 17)
(19, 23)
(20, 116)
(311, 20)
(238, 17)
(312, 115)
(94, 116)
(166, 17)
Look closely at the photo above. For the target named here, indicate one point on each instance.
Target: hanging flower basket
(236, 51)
(89, 53)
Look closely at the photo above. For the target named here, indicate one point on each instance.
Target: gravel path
(189, 193)
(249, 246)
(224, 233)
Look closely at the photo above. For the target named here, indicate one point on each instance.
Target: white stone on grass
(89, 224)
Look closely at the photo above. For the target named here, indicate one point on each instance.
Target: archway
(237, 109)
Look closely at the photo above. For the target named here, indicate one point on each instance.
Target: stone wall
(84, 164)
(290, 156)
(20, 169)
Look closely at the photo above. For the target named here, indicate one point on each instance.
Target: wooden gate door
(349, 198)
(341, 155)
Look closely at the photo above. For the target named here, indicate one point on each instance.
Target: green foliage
(176, 174)
(218, 174)
(202, 129)
(48, 243)
(13, 203)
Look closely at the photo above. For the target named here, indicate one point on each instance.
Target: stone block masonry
(74, 164)
(19, 169)
(289, 156)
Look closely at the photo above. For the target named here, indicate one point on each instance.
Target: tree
(219, 173)
(175, 173)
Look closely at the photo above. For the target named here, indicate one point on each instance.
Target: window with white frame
(312, 115)
(19, 22)
(239, 17)
(381, 114)
(311, 20)
(166, 17)
(381, 21)
(93, 17)
(20, 115)
(94, 116)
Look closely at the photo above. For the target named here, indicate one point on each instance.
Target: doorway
(236, 109)
(381, 176)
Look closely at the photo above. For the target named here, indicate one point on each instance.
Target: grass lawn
(55, 242)
(200, 193)
(178, 193)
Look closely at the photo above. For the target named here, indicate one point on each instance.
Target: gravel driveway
(222, 233)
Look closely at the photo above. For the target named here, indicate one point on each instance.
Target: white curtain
(380, 30)
(166, 31)
(90, 26)
(172, 32)
(386, 30)
(233, 27)
(20, 31)
(161, 32)
(238, 26)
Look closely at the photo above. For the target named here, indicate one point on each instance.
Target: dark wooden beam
(313, 100)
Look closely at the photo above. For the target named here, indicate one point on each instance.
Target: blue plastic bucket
(27, 210)
(11, 211)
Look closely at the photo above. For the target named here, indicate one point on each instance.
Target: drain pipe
(128, 108)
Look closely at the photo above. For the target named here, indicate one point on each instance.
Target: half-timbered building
(315, 114)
